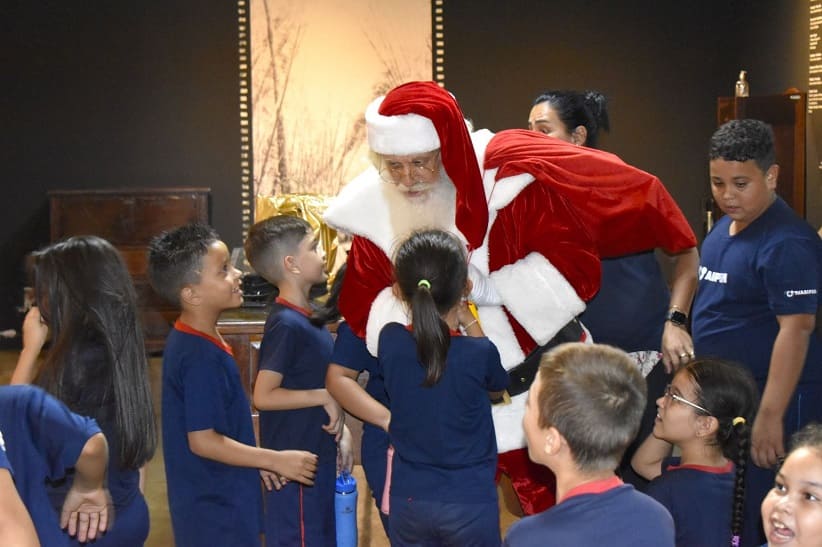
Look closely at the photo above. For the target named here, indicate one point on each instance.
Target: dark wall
(101, 94)
(107, 94)
(661, 64)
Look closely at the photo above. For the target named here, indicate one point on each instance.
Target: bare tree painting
(315, 65)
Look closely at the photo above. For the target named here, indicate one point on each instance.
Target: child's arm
(296, 465)
(647, 460)
(87, 507)
(345, 451)
(341, 383)
(270, 395)
(787, 360)
(35, 333)
(16, 527)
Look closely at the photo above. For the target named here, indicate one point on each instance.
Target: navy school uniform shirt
(700, 500)
(43, 439)
(300, 351)
(210, 503)
(443, 435)
(630, 308)
(772, 267)
(603, 512)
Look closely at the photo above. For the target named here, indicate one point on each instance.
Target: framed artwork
(308, 69)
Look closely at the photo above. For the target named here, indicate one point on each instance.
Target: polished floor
(370, 530)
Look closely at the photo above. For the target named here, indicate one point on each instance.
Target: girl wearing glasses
(706, 412)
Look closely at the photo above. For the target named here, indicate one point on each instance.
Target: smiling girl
(792, 510)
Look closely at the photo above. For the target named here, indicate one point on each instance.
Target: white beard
(436, 209)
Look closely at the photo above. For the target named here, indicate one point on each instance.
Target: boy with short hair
(290, 388)
(582, 411)
(760, 274)
(211, 457)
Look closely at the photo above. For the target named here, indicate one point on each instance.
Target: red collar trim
(452, 332)
(182, 327)
(727, 468)
(287, 304)
(593, 487)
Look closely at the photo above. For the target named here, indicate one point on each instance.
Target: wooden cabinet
(129, 219)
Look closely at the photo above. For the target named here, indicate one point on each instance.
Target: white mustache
(418, 187)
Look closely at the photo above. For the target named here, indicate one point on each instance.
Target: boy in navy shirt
(211, 457)
(295, 409)
(583, 410)
(758, 295)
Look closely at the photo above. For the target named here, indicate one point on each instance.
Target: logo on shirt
(714, 277)
(2, 443)
(799, 292)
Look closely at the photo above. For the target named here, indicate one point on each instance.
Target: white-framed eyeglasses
(671, 395)
(393, 171)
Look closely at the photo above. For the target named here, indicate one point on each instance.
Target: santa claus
(535, 213)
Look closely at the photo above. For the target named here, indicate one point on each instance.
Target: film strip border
(438, 40)
(246, 160)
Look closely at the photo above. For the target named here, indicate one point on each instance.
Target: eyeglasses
(671, 395)
(393, 171)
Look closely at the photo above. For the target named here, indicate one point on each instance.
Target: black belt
(522, 375)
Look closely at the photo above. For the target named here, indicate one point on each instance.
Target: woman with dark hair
(96, 365)
(571, 116)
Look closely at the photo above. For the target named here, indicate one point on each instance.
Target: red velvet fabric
(429, 100)
(622, 209)
(534, 484)
(368, 271)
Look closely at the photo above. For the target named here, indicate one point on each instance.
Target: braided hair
(731, 395)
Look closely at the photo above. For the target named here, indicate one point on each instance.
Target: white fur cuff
(538, 296)
(385, 309)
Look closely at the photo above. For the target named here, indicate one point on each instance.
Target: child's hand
(336, 418)
(296, 465)
(345, 451)
(464, 314)
(272, 481)
(87, 514)
(35, 330)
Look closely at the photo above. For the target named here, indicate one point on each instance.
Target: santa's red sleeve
(623, 209)
(366, 301)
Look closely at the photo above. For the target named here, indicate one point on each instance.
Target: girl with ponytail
(706, 412)
(442, 488)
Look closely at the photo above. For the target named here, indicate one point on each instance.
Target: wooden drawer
(125, 217)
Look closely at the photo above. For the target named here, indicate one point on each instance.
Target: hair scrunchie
(738, 420)
(424, 283)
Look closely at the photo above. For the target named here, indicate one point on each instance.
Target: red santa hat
(419, 117)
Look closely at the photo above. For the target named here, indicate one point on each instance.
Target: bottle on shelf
(742, 88)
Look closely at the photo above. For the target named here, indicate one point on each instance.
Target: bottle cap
(346, 484)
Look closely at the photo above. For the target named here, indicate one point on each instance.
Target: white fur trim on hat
(399, 135)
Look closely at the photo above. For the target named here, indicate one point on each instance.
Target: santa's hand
(483, 293)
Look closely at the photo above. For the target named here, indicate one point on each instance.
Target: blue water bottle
(345, 506)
